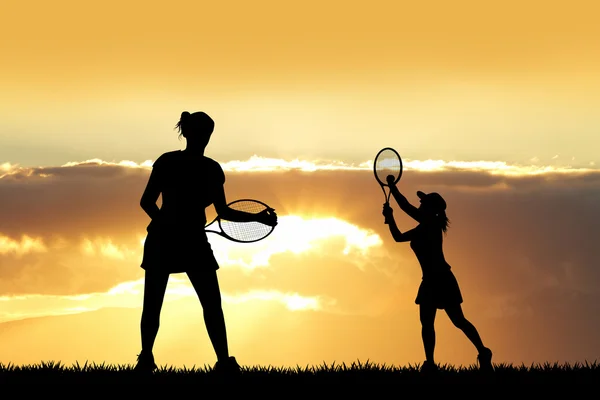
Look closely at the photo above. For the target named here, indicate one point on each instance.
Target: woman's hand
(388, 213)
(267, 217)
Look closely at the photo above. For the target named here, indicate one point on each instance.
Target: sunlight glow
(257, 163)
(293, 301)
(130, 294)
(27, 244)
(130, 287)
(180, 287)
(97, 161)
(7, 169)
(106, 248)
(492, 167)
(264, 164)
(296, 235)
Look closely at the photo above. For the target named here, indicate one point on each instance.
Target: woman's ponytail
(443, 220)
(184, 117)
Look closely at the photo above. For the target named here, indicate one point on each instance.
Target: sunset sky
(492, 104)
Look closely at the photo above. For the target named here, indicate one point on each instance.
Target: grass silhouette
(355, 373)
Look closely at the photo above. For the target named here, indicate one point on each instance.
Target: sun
(297, 235)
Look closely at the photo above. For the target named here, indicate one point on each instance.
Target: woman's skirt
(176, 251)
(439, 291)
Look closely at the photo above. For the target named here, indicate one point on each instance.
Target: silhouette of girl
(176, 242)
(439, 288)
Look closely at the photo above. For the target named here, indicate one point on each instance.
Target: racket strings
(246, 231)
(387, 163)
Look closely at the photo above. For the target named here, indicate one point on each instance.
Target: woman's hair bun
(185, 115)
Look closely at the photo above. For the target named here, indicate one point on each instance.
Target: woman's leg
(427, 317)
(455, 313)
(155, 285)
(206, 285)
(458, 319)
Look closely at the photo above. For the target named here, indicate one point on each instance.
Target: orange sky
(318, 80)
(494, 106)
(187, 41)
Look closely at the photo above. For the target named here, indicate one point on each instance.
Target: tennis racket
(242, 232)
(387, 162)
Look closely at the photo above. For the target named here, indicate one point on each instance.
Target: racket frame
(385, 184)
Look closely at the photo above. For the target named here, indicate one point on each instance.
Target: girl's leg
(427, 317)
(206, 285)
(457, 317)
(155, 285)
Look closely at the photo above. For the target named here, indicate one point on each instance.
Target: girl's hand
(267, 217)
(388, 213)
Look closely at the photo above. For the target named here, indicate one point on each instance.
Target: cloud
(266, 164)
(292, 301)
(106, 248)
(99, 162)
(310, 235)
(130, 295)
(19, 247)
(517, 235)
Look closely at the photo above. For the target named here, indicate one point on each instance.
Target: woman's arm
(401, 236)
(391, 222)
(150, 196)
(267, 217)
(405, 206)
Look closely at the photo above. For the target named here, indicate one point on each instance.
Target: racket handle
(387, 219)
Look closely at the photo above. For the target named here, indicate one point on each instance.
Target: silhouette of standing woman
(176, 242)
(439, 288)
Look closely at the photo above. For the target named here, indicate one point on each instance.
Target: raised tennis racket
(242, 232)
(387, 162)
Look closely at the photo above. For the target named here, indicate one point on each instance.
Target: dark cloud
(71, 200)
(524, 248)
